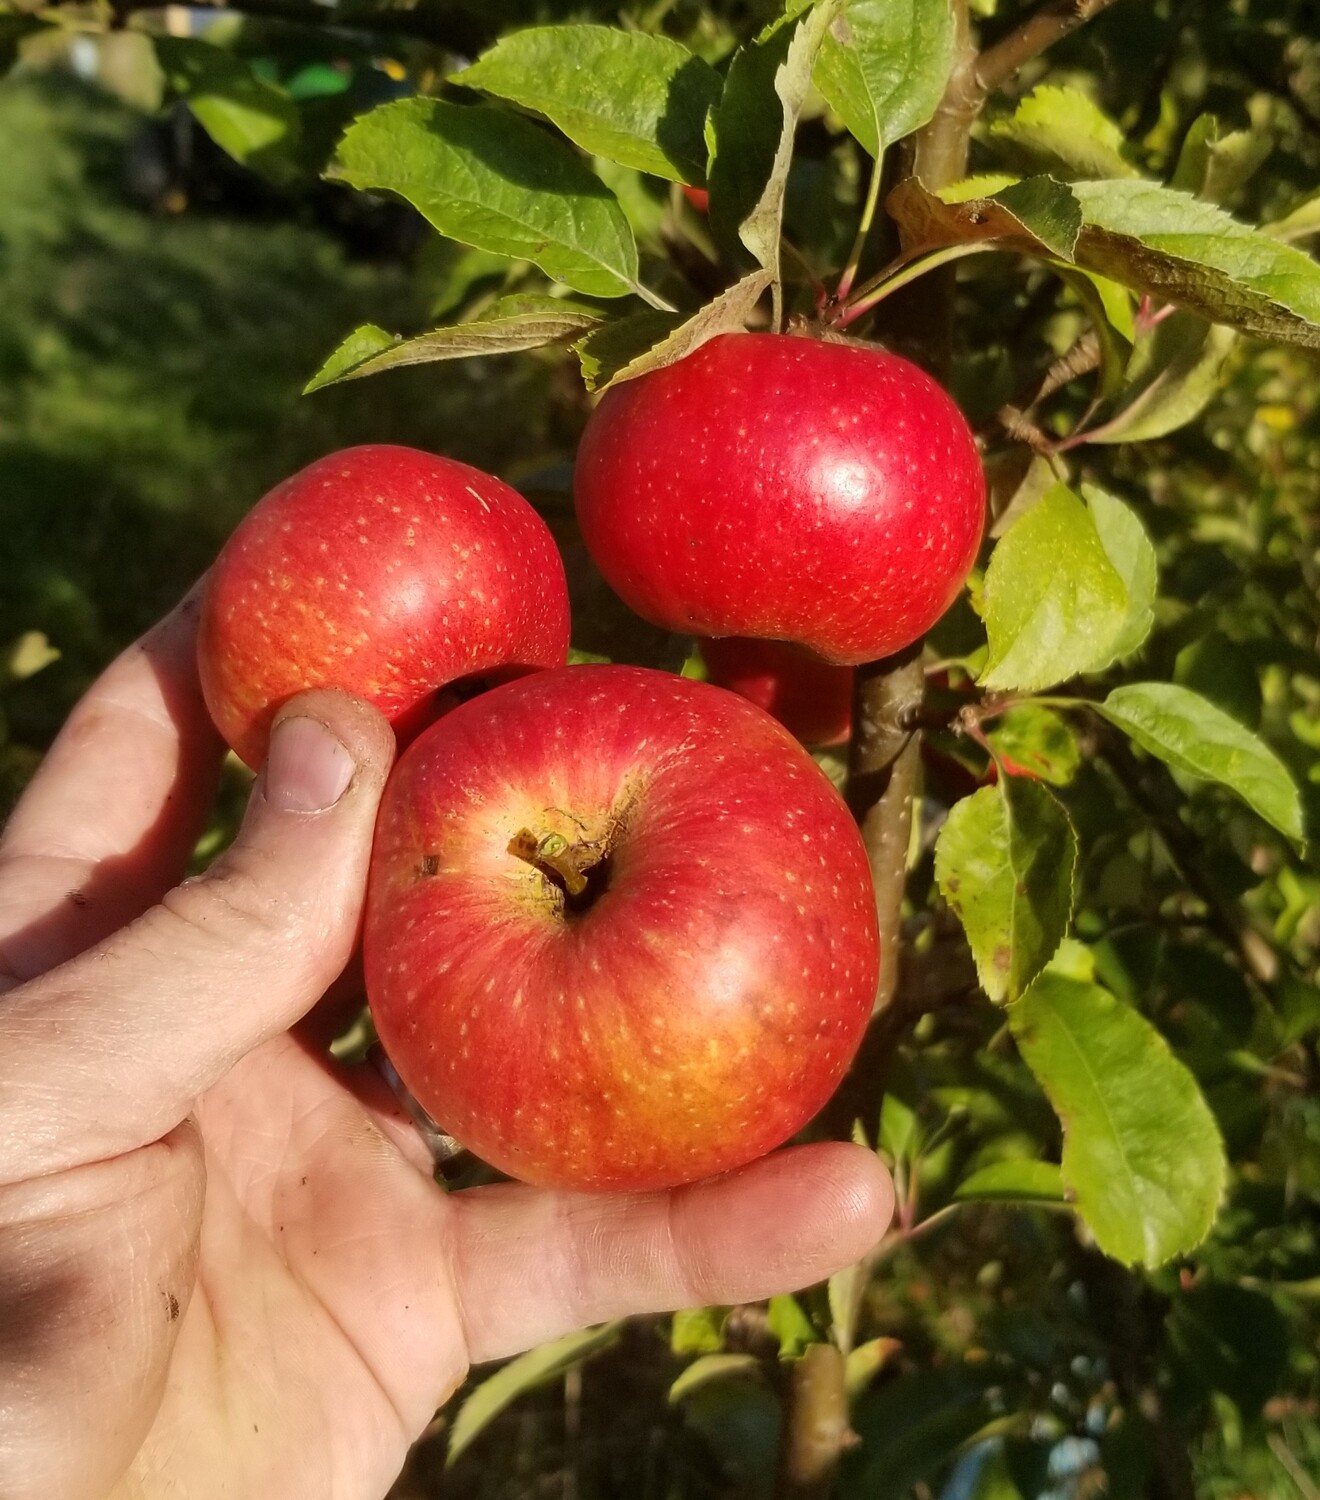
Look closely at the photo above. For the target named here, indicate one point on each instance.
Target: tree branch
(1054, 20)
(820, 1433)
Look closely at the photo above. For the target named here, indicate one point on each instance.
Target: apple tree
(1084, 791)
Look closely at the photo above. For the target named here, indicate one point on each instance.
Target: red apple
(635, 947)
(384, 571)
(699, 198)
(810, 697)
(787, 488)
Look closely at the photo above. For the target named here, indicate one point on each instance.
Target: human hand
(224, 1265)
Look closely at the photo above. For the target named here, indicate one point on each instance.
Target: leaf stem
(900, 274)
(863, 229)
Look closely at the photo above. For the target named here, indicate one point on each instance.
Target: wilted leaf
(1039, 215)
(1132, 554)
(1061, 131)
(1172, 377)
(612, 346)
(521, 1375)
(1013, 1182)
(883, 66)
(254, 121)
(497, 181)
(1032, 738)
(1142, 1156)
(711, 1367)
(1053, 603)
(1192, 253)
(1190, 734)
(1005, 862)
(728, 313)
(369, 350)
(637, 99)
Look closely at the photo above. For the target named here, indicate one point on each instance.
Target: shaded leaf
(1013, 1182)
(1142, 1156)
(253, 120)
(497, 181)
(1190, 734)
(635, 99)
(1299, 223)
(521, 1375)
(1214, 164)
(1172, 377)
(792, 1327)
(1132, 554)
(1005, 862)
(1061, 131)
(883, 67)
(1034, 739)
(1053, 603)
(1039, 215)
(754, 130)
(709, 1368)
(13, 30)
(369, 350)
(866, 1361)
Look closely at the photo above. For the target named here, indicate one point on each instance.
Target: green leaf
(1132, 554)
(1036, 740)
(1171, 379)
(369, 350)
(1182, 250)
(900, 1130)
(635, 99)
(728, 313)
(253, 120)
(1053, 603)
(1013, 1182)
(754, 130)
(1060, 131)
(711, 1367)
(1110, 309)
(499, 182)
(698, 1330)
(1038, 215)
(1142, 1156)
(791, 1326)
(1214, 165)
(521, 1375)
(1005, 862)
(1190, 734)
(883, 67)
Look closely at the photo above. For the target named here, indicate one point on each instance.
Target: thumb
(125, 1037)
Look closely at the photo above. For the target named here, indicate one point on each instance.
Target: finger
(107, 823)
(531, 1265)
(109, 1051)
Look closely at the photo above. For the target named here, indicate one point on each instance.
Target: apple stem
(556, 859)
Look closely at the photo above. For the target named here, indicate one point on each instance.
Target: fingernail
(307, 769)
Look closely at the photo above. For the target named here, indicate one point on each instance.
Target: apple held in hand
(635, 947)
(811, 698)
(786, 488)
(383, 571)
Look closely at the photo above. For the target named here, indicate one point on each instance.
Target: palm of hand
(235, 1273)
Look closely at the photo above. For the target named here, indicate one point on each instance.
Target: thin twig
(1054, 20)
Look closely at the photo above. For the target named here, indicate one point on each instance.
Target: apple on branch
(810, 698)
(635, 947)
(383, 571)
(787, 488)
